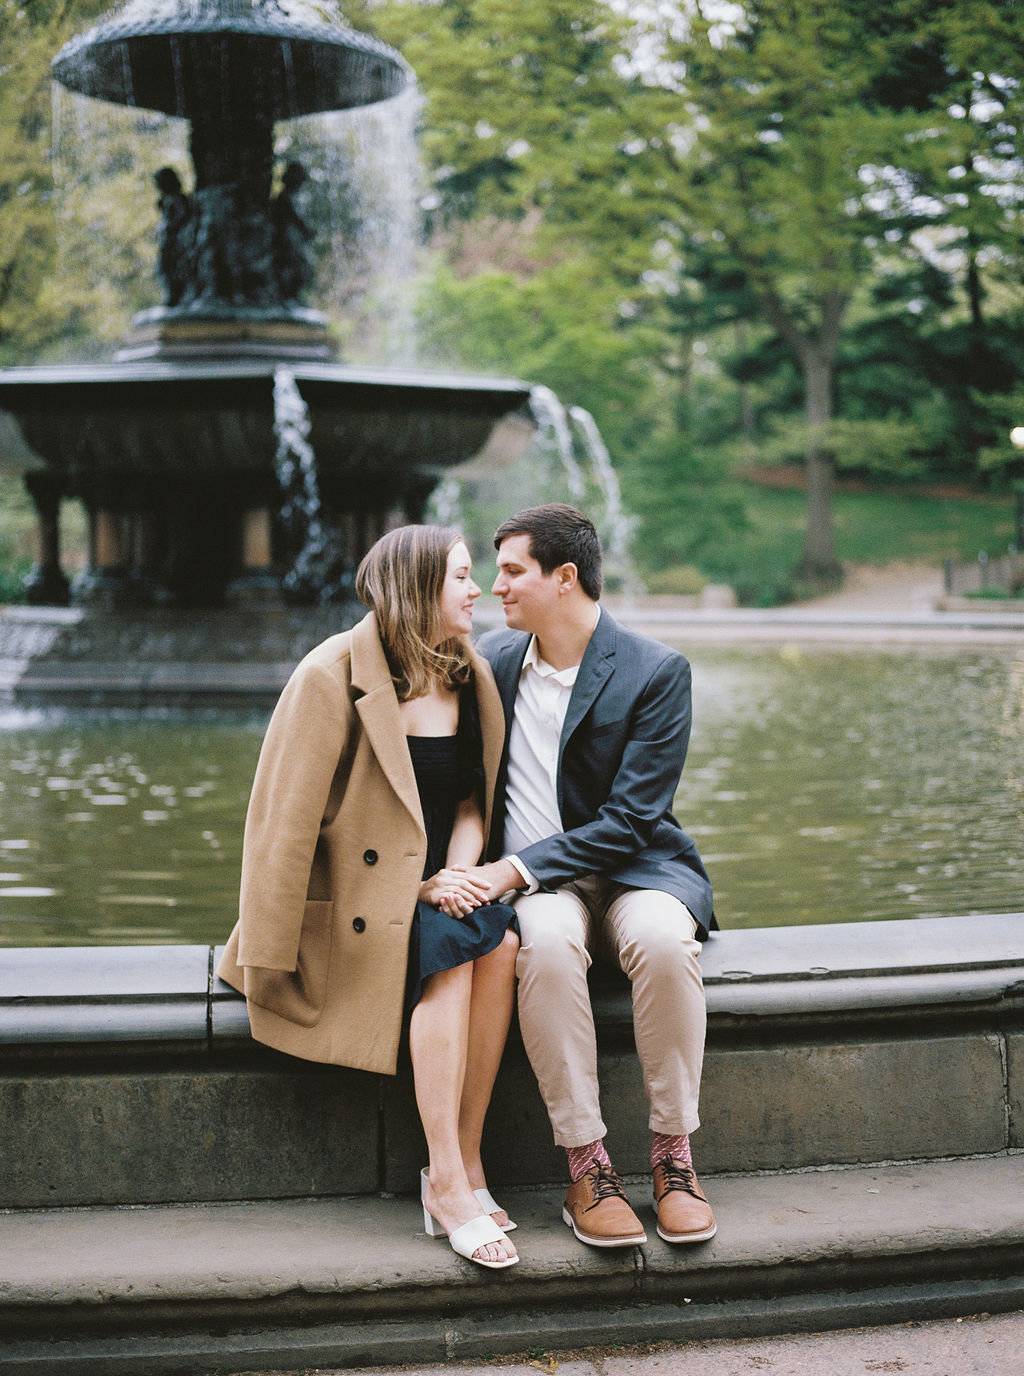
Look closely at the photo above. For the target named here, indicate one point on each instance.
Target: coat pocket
(298, 995)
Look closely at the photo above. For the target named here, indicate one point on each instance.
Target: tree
(775, 123)
(978, 181)
(531, 117)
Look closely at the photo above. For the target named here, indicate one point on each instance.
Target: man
(598, 722)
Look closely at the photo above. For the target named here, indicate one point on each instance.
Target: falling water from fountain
(553, 422)
(616, 522)
(446, 503)
(574, 429)
(567, 460)
(318, 573)
(365, 184)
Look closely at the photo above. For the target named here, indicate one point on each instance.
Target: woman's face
(458, 592)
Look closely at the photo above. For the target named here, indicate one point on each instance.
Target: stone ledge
(128, 1075)
(181, 1291)
(63, 997)
(55, 996)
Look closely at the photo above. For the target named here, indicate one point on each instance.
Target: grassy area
(871, 528)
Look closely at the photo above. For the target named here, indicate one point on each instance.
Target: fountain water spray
(572, 430)
(616, 522)
(553, 422)
(319, 572)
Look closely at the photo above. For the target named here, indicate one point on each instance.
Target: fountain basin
(175, 461)
(216, 416)
(131, 1077)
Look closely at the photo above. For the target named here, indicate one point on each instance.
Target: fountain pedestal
(295, 336)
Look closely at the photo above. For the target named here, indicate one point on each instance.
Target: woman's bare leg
(438, 1040)
(490, 1012)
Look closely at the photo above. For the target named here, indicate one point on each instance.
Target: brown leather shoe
(598, 1212)
(684, 1214)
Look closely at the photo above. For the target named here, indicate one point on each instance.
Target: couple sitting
(395, 751)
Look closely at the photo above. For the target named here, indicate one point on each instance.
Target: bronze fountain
(171, 446)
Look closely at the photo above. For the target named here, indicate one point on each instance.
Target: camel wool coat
(333, 857)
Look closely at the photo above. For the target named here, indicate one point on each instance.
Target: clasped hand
(458, 889)
(454, 891)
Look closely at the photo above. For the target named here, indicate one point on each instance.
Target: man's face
(529, 597)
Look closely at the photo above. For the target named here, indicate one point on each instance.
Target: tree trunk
(819, 564)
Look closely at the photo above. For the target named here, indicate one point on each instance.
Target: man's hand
(497, 878)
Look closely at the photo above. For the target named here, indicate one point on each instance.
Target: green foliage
(772, 189)
(26, 217)
(796, 233)
(16, 526)
(1003, 458)
(526, 107)
(32, 315)
(556, 325)
(543, 325)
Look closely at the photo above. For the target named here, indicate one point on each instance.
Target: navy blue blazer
(621, 753)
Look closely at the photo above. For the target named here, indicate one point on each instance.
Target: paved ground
(898, 586)
(978, 1345)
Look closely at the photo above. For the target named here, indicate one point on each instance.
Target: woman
(372, 793)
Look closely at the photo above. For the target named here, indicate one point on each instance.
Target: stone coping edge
(114, 996)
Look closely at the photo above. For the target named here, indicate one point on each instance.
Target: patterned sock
(678, 1147)
(582, 1158)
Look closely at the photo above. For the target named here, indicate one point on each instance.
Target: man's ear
(568, 578)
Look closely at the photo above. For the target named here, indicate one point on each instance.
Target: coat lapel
(378, 712)
(492, 729)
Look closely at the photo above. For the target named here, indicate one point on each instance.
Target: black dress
(448, 769)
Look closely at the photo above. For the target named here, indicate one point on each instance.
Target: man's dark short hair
(559, 534)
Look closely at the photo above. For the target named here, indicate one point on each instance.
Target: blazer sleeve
(307, 735)
(638, 802)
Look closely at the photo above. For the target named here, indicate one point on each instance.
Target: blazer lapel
(506, 675)
(380, 717)
(595, 669)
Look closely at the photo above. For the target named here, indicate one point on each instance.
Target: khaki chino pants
(651, 936)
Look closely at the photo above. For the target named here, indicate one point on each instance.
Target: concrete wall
(127, 1074)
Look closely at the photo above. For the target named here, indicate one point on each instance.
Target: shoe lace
(678, 1177)
(606, 1184)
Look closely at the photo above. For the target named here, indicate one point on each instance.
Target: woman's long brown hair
(400, 580)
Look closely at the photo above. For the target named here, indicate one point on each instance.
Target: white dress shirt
(531, 790)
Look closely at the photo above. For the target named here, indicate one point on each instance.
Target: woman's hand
(453, 891)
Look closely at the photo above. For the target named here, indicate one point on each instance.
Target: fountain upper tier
(287, 60)
(231, 249)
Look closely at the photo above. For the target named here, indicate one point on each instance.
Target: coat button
(370, 856)
(359, 924)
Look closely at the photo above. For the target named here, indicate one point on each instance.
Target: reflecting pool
(823, 785)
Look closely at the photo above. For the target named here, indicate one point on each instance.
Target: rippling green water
(842, 786)
(822, 786)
